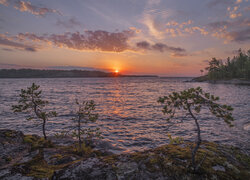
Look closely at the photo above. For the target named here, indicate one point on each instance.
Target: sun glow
(116, 71)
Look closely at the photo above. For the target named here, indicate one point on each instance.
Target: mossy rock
(37, 142)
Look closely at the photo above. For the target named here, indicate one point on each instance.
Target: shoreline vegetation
(36, 73)
(234, 70)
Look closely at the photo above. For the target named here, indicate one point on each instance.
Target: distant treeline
(237, 67)
(36, 73)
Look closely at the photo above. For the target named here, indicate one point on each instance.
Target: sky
(158, 37)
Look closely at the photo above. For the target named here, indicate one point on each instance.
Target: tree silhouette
(237, 67)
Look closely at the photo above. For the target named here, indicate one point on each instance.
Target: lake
(129, 116)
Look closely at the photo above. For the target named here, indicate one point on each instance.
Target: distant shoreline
(34, 73)
(234, 81)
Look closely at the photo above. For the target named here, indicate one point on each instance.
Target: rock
(91, 168)
(62, 141)
(29, 156)
(10, 136)
(246, 127)
(127, 170)
(232, 167)
(53, 157)
(12, 147)
(18, 176)
(20, 160)
(6, 174)
(219, 168)
(106, 147)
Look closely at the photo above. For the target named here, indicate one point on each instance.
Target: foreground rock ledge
(30, 157)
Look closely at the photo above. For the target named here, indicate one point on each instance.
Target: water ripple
(130, 117)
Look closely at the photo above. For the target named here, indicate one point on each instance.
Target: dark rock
(29, 156)
(62, 141)
(20, 161)
(219, 168)
(91, 168)
(12, 147)
(106, 147)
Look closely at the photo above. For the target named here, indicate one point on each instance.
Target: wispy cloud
(215, 3)
(26, 6)
(4, 2)
(156, 28)
(161, 47)
(68, 23)
(7, 49)
(154, 17)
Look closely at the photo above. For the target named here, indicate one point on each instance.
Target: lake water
(130, 117)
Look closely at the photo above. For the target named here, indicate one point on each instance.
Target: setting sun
(116, 71)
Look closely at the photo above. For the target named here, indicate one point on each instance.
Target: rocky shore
(31, 157)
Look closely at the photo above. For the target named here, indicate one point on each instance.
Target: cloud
(161, 47)
(236, 36)
(238, 1)
(10, 43)
(70, 23)
(4, 2)
(31, 49)
(239, 36)
(233, 12)
(153, 2)
(155, 27)
(237, 30)
(25, 6)
(89, 40)
(242, 22)
(143, 45)
(219, 24)
(247, 8)
(215, 3)
(181, 29)
(7, 49)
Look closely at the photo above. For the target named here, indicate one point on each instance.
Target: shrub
(84, 115)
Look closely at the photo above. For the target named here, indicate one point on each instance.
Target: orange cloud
(184, 28)
(89, 40)
(24, 6)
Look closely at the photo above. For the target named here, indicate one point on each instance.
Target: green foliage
(31, 102)
(36, 142)
(193, 100)
(176, 140)
(237, 67)
(84, 115)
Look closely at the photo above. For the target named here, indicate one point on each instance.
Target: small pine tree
(192, 100)
(31, 102)
(84, 115)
